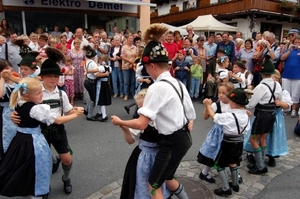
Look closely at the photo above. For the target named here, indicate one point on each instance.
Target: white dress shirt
(163, 106)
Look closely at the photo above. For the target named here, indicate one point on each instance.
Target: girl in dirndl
(26, 167)
(276, 140)
(8, 129)
(139, 165)
(212, 144)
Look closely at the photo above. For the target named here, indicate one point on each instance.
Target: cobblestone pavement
(251, 186)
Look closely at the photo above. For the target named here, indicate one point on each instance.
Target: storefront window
(48, 20)
(14, 19)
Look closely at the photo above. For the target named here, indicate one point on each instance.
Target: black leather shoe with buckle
(235, 188)
(255, 170)
(91, 118)
(205, 177)
(56, 165)
(103, 119)
(67, 186)
(221, 192)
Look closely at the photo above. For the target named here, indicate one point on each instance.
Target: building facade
(25, 16)
(249, 16)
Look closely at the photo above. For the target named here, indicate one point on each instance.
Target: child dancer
(263, 99)
(29, 175)
(235, 123)
(236, 76)
(8, 129)
(28, 64)
(69, 79)
(196, 78)
(103, 94)
(277, 144)
(141, 160)
(169, 106)
(222, 71)
(212, 144)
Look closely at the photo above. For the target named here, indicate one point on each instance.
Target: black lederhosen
(55, 134)
(172, 148)
(231, 147)
(90, 86)
(264, 116)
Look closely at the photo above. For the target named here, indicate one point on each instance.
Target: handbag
(297, 128)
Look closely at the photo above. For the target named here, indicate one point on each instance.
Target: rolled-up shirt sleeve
(42, 113)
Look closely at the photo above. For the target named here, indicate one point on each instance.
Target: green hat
(267, 68)
(50, 67)
(29, 60)
(238, 96)
(240, 64)
(155, 52)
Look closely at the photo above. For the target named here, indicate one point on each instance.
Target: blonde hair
(30, 84)
(277, 74)
(140, 95)
(77, 41)
(102, 58)
(33, 35)
(228, 85)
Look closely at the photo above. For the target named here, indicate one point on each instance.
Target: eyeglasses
(291, 35)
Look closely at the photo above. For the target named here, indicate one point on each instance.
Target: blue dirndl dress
(210, 148)
(26, 167)
(8, 127)
(139, 166)
(276, 140)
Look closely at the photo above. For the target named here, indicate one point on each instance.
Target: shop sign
(74, 4)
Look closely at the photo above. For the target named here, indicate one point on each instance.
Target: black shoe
(56, 165)
(255, 170)
(204, 177)
(103, 119)
(235, 188)
(127, 109)
(221, 192)
(97, 116)
(272, 162)
(85, 112)
(251, 166)
(91, 118)
(241, 180)
(251, 159)
(67, 185)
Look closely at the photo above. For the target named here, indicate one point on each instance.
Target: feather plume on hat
(155, 32)
(54, 54)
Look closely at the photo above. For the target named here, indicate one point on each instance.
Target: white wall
(243, 25)
(165, 8)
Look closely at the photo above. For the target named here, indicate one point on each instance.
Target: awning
(128, 2)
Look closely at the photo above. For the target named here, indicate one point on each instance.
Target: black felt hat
(89, 51)
(50, 66)
(29, 60)
(154, 51)
(238, 96)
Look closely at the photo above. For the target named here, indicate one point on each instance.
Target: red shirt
(179, 44)
(172, 49)
(67, 45)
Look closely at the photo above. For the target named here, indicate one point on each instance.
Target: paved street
(101, 153)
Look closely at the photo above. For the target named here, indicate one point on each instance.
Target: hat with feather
(154, 50)
(30, 60)
(24, 48)
(50, 66)
(89, 51)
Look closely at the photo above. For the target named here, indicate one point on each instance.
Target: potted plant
(286, 5)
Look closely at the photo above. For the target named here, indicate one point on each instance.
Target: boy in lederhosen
(235, 123)
(169, 106)
(59, 103)
(263, 99)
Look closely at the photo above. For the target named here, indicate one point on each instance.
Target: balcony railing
(229, 7)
